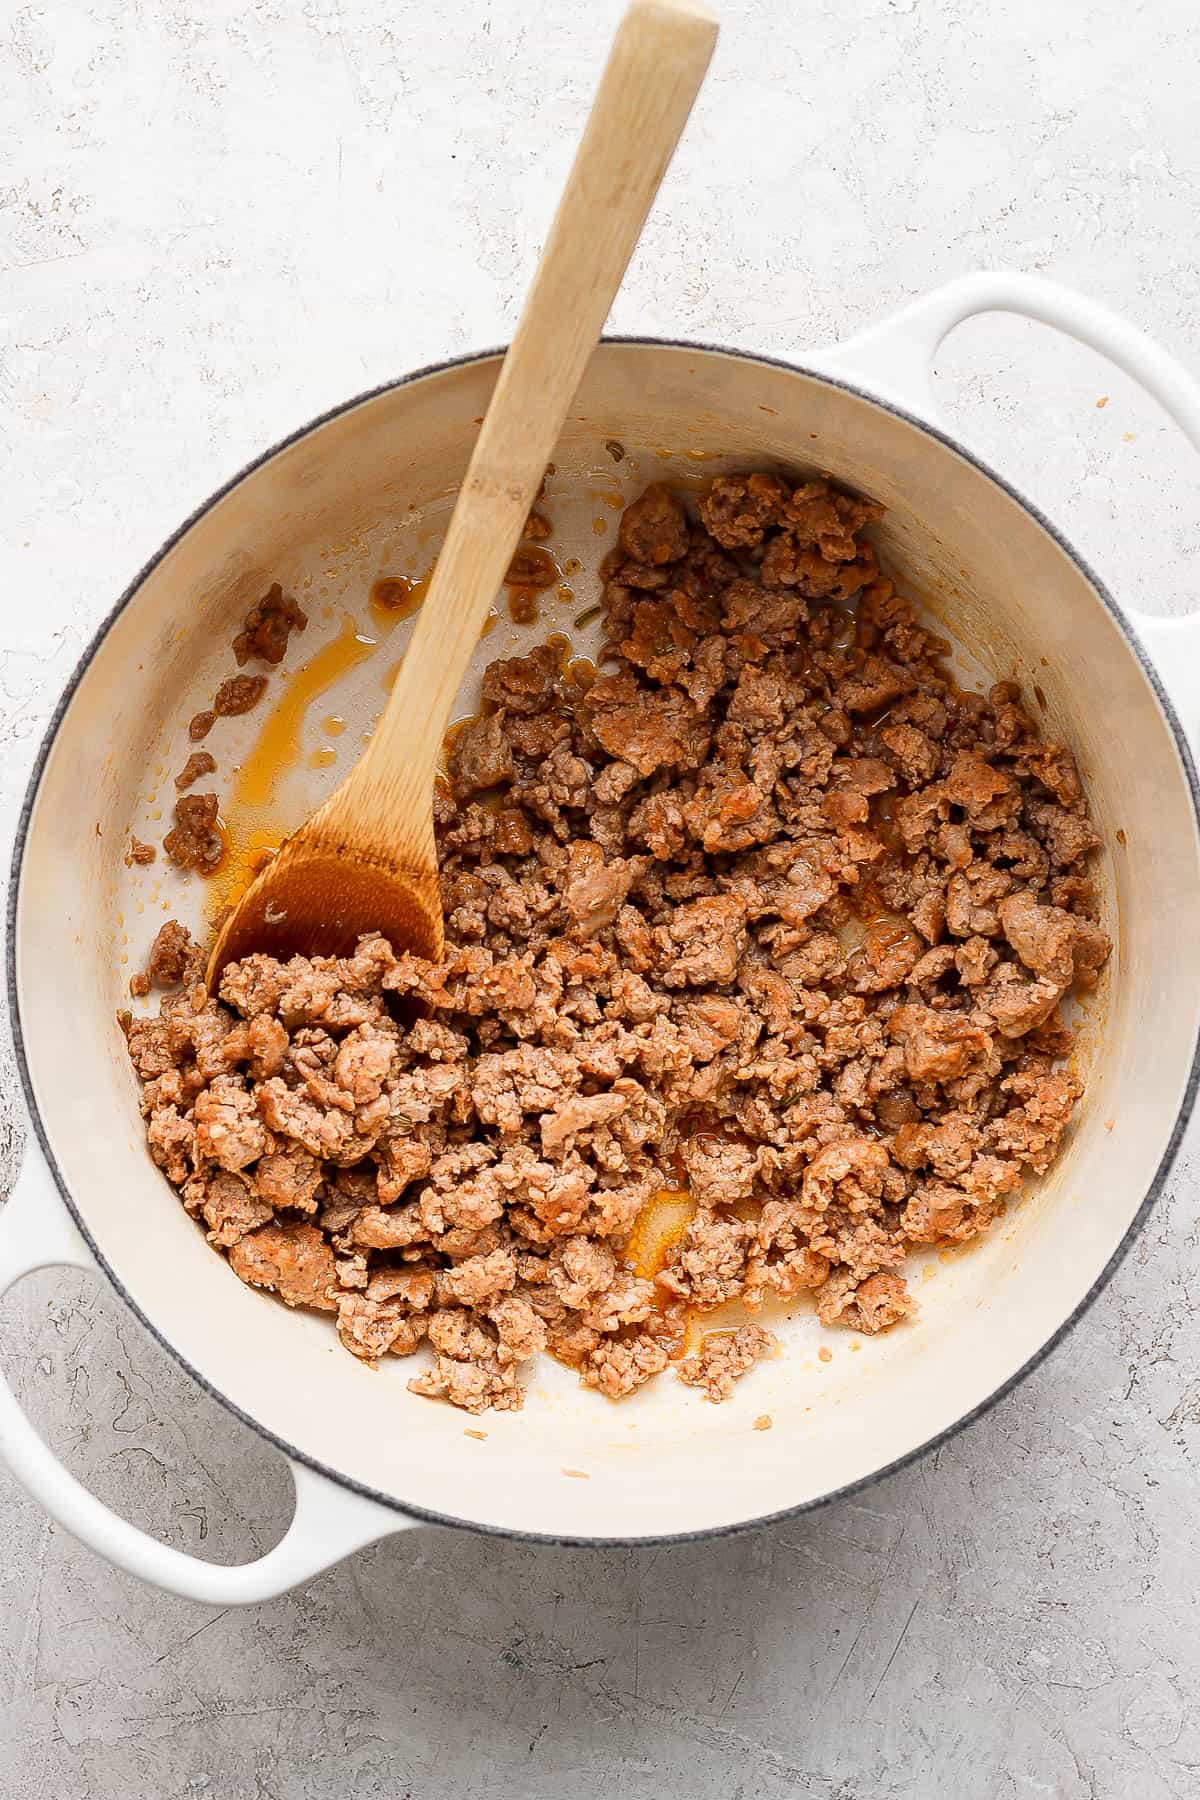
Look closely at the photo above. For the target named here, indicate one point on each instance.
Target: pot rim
(423, 1514)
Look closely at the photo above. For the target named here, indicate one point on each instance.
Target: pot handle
(894, 358)
(329, 1522)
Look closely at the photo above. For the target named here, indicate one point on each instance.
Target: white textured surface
(217, 219)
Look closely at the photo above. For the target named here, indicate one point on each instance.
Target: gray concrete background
(218, 217)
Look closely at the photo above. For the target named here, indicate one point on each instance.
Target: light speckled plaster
(217, 219)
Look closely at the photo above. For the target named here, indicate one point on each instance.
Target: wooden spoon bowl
(317, 899)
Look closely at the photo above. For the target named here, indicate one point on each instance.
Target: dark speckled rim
(566, 1538)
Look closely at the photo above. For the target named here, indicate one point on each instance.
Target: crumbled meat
(198, 764)
(702, 942)
(172, 1141)
(1068, 836)
(522, 685)
(479, 1282)
(724, 1357)
(770, 908)
(738, 508)
(289, 1177)
(889, 952)
(294, 1260)
(915, 755)
(708, 1266)
(1042, 936)
(228, 1128)
(654, 528)
(201, 724)
(938, 1046)
(238, 694)
(871, 1305)
(817, 514)
(268, 627)
(618, 1366)
(475, 1386)
(595, 888)
(228, 1205)
(480, 756)
(174, 957)
(369, 1326)
(522, 1333)
(531, 568)
(790, 564)
(138, 852)
(650, 728)
(194, 842)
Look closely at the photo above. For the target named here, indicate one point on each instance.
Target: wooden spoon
(366, 859)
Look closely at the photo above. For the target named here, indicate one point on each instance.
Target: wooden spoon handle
(654, 71)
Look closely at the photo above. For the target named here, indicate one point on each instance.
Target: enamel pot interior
(367, 492)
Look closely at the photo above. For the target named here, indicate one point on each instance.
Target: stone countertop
(218, 219)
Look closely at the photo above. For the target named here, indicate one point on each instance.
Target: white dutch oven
(325, 513)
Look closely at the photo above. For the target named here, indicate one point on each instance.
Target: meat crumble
(771, 909)
(238, 694)
(268, 626)
(198, 764)
(194, 841)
